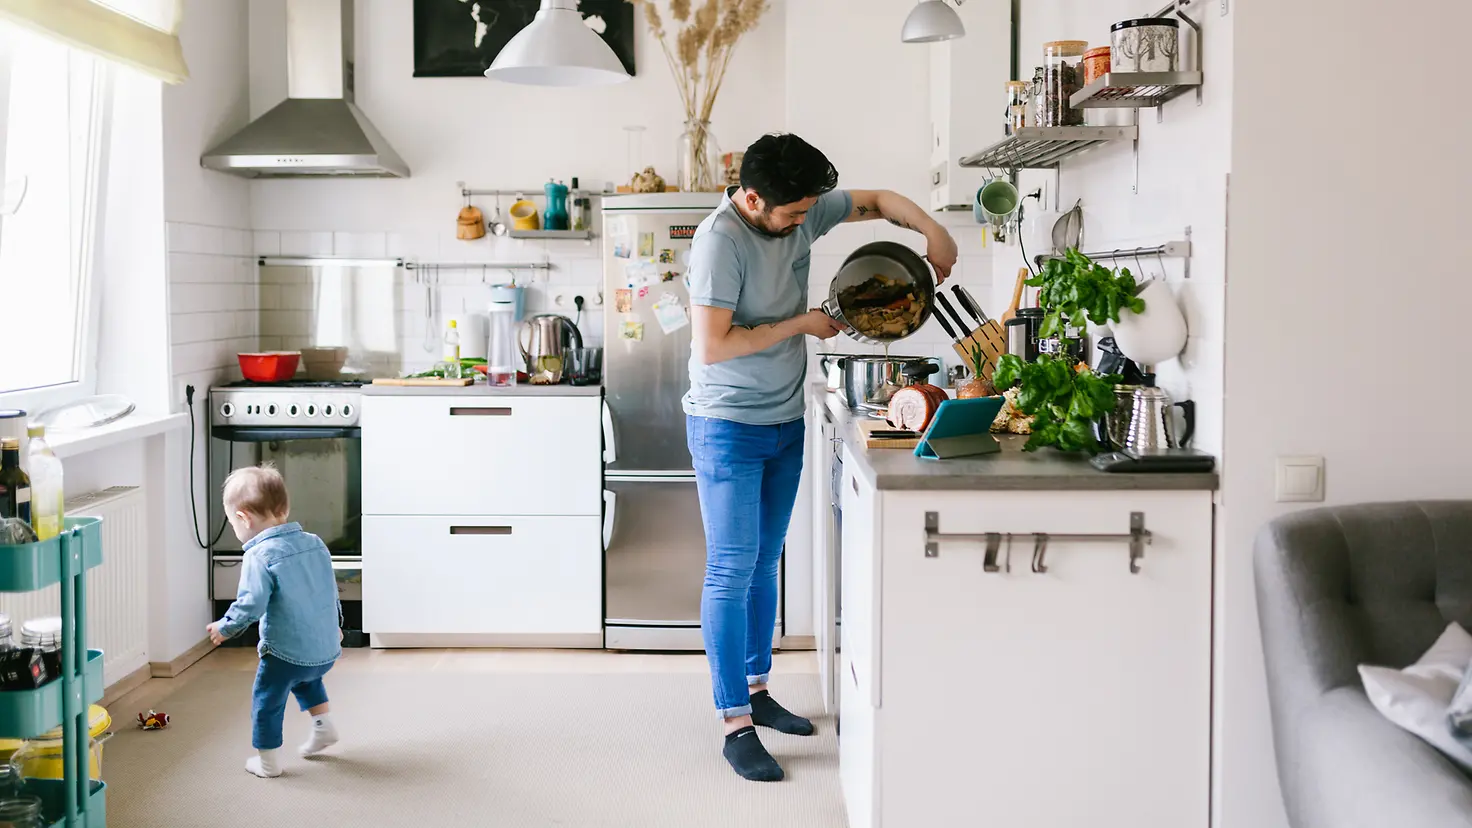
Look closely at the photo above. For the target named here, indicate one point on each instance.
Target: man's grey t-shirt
(761, 279)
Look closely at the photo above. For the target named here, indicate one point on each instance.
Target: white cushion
(1417, 697)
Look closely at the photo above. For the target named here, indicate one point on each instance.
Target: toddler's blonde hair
(259, 490)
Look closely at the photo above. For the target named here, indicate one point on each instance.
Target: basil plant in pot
(1063, 395)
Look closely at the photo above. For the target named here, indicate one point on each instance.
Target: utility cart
(74, 801)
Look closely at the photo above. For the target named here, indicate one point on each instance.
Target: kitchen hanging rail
(1138, 538)
(482, 266)
(325, 261)
(1180, 249)
(527, 192)
(1043, 148)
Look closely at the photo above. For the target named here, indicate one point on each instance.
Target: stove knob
(271, 410)
(327, 410)
(347, 410)
(311, 410)
(293, 411)
(227, 410)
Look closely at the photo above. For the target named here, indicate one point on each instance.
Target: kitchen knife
(969, 303)
(946, 306)
(946, 326)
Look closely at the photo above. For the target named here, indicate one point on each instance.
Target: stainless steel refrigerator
(653, 539)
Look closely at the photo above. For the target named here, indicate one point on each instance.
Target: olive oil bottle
(15, 486)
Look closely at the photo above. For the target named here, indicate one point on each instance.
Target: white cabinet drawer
(482, 575)
(469, 455)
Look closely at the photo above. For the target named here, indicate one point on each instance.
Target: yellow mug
(524, 216)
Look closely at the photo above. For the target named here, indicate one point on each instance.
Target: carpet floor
(437, 748)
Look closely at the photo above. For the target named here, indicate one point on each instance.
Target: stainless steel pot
(872, 380)
(875, 275)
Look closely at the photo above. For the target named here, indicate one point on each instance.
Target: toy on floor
(153, 721)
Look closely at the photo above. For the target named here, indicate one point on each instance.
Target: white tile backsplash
(266, 243)
(306, 244)
(360, 245)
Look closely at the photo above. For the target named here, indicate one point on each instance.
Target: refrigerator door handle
(610, 447)
(610, 506)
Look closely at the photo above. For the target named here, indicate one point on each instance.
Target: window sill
(135, 426)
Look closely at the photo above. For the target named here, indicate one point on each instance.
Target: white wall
(1315, 265)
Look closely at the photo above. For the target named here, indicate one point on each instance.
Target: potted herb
(977, 385)
(1064, 396)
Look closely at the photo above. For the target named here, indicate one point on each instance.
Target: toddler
(286, 582)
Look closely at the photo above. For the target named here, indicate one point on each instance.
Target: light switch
(1300, 479)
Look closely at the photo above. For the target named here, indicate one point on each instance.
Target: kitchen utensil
(469, 224)
(1151, 428)
(1113, 428)
(1156, 334)
(873, 277)
(87, 412)
(950, 331)
(497, 225)
(950, 311)
(872, 380)
(544, 341)
(425, 382)
(524, 216)
(586, 366)
(998, 199)
(1033, 318)
(1147, 44)
(1068, 231)
(1112, 361)
(503, 348)
(1011, 311)
(1017, 338)
(269, 366)
(323, 363)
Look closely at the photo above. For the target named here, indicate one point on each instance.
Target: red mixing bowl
(269, 366)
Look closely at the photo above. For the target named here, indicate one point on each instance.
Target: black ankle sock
(766, 712)
(749, 758)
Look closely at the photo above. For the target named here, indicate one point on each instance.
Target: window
(53, 125)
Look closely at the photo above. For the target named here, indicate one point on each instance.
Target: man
(748, 290)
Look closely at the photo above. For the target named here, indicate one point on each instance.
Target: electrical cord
(1026, 259)
(193, 492)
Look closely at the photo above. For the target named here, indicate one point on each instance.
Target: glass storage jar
(6, 642)
(43, 757)
(44, 634)
(1019, 100)
(1035, 111)
(21, 812)
(1062, 76)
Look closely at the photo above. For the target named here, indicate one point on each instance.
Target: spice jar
(6, 642)
(1096, 64)
(1035, 112)
(1062, 76)
(44, 635)
(1019, 100)
(21, 812)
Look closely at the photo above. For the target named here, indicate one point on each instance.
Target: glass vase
(699, 158)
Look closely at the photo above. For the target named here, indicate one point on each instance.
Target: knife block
(991, 340)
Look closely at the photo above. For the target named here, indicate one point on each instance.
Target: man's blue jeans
(747, 477)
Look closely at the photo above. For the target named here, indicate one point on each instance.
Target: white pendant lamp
(558, 49)
(932, 21)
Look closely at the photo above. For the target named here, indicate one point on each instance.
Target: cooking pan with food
(883, 293)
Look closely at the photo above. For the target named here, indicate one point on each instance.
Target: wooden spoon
(1011, 311)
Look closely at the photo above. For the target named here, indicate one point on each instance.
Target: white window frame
(88, 259)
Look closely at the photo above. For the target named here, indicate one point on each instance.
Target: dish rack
(27, 714)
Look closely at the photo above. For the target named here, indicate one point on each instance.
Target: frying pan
(893, 261)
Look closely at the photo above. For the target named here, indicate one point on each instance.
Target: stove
(292, 404)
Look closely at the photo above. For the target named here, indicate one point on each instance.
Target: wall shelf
(1044, 148)
(1135, 90)
(560, 235)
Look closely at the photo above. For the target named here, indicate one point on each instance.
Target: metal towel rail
(1138, 538)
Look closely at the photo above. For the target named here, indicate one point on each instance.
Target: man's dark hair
(783, 169)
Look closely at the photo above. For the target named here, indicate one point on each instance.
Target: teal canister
(555, 217)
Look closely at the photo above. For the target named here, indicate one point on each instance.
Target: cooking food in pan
(881, 307)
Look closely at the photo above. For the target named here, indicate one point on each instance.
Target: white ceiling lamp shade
(558, 49)
(932, 21)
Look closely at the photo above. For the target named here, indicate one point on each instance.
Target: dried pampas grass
(700, 50)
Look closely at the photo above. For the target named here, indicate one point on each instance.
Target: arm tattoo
(862, 211)
(899, 223)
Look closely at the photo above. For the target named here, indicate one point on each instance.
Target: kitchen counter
(483, 390)
(1012, 470)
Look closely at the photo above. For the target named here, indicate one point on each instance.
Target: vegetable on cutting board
(467, 365)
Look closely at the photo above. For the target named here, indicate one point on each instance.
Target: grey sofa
(1336, 588)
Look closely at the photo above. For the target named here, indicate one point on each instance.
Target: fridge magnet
(621, 249)
(666, 256)
(680, 232)
(631, 330)
(646, 245)
(643, 291)
(670, 314)
(623, 300)
(668, 276)
(618, 227)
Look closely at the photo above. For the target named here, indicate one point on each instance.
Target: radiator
(117, 591)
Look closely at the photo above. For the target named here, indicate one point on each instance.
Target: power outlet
(565, 299)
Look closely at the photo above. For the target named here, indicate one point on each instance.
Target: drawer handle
(477, 411)
(480, 530)
(854, 481)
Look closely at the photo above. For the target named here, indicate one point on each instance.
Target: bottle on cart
(452, 351)
(15, 485)
(47, 493)
(582, 213)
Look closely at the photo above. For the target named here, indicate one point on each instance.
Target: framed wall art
(460, 38)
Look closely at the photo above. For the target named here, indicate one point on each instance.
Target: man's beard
(764, 224)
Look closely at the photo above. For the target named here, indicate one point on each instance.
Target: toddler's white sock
(265, 764)
(324, 735)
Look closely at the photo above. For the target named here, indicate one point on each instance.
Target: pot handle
(1188, 410)
(830, 307)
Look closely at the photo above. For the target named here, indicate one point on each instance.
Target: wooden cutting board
(869, 427)
(433, 382)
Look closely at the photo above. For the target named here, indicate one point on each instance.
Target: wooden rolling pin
(1022, 274)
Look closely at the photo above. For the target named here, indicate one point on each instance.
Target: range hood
(318, 131)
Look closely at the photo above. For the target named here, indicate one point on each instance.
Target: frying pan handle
(830, 307)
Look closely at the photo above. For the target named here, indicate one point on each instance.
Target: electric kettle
(545, 340)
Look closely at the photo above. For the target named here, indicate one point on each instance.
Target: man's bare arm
(715, 339)
(902, 212)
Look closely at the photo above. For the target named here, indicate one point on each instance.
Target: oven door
(323, 471)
